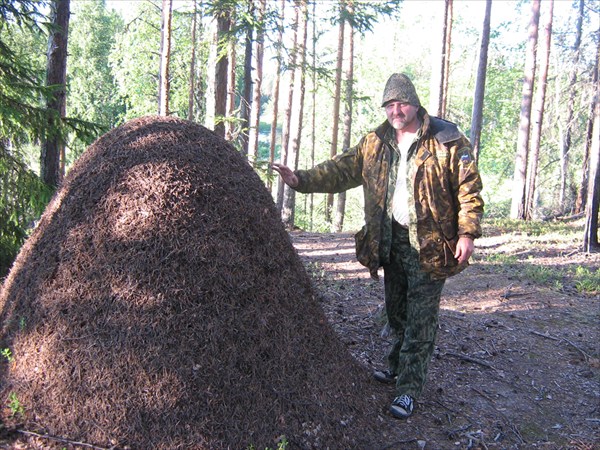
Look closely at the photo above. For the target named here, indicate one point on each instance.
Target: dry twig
(547, 336)
(61, 439)
(470, 359)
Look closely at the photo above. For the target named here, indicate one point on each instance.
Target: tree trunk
(581, 202)
(192, 81)
(569, 124)
(257, 91)
(447, 51)
(165, 55)
(590, 238)
(336, 103)
(538, 114)
(285, 131)
(231, 90)
(477, 116)
(338, 224)
(288, 210)
(436, 97)
(246, 100)
(311, 204)
(223, 26)
(517, 209)
(56, 75)
(275, 95)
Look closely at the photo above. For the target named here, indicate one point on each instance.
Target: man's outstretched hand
(287, 175)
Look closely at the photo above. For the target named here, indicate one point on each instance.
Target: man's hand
(464, 249)
(287, 175)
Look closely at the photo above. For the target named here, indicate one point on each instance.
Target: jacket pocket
(449, 250)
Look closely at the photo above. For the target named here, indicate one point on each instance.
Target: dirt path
(516, 363)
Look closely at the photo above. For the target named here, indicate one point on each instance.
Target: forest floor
(517, 358)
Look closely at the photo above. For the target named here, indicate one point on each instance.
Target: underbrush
(546, 253)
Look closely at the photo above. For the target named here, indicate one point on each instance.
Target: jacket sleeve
(342, 172)
(467, 186)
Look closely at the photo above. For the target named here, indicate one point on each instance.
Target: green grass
(561, 229)
(539, 235)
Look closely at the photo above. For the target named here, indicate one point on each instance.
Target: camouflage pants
(412, 302)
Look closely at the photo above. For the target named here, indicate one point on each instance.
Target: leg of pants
(412, 301)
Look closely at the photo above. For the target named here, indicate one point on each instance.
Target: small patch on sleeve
(465, 155)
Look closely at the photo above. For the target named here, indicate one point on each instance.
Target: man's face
(400, 115)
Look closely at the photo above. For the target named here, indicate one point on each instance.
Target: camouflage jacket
(443, 183)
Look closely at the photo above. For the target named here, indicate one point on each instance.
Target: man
(422, 211)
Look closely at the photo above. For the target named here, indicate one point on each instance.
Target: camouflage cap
(400, 88)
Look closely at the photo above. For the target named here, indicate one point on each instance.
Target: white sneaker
(402, 406)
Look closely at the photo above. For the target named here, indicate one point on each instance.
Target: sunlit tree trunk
(285, 130)
(441, 65)
(257, 88)
(581, 202)
(246, 100)
(165, 55)
(336, 102)
(56, 75)
(311, 205)
(288, 210)
(192, 81)
(517, 209)
(590, 239)
(569, 120)
(338, 223)
(477, 116)
(538, 113)
(447, 51)
(275, 94)
(223, 17)
(231, 90)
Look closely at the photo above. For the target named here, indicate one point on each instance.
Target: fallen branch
(469, 359)
(482, 394)
(508, 294)
(63, 440)
(547, 336)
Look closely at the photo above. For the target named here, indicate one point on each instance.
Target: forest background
(299, 81)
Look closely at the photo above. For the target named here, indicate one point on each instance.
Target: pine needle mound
(160, 304)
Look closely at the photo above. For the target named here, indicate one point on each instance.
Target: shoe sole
(383, 379)
(398, 414)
